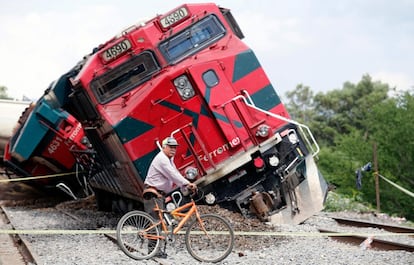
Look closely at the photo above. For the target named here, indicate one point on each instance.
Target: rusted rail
(14, 249)
(361, 223)
(375, 243)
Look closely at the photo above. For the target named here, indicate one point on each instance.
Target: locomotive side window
(194, 38)
(125, 77)
(210, 78)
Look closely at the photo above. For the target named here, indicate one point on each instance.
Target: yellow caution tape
(396, 185)
(36, 177)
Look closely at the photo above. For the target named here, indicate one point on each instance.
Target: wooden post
(377, 192)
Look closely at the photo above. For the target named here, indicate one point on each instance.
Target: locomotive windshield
(194, 38)
(125, 77)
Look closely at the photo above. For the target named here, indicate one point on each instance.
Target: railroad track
(361, 223)
(17, 250)
(13, 248)
(97, 246)
(65, 244)
(366, 240)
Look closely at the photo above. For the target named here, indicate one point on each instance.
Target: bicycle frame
(179, 213)
(208, 237)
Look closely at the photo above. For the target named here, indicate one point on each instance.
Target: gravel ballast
(87, 249)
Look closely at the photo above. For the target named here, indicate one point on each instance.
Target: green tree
(339, 111)
(346, 122)
(391, 127)
(301, 107)
(300, 104)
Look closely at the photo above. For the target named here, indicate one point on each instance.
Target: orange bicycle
(208, 238)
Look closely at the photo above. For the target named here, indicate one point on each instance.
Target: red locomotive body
(188, 74)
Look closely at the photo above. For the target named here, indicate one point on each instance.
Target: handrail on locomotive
(249, 102)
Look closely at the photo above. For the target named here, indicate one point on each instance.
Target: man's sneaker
(161, 255)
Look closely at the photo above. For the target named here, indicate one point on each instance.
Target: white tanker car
(10, 111)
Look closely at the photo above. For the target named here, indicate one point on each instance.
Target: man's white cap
(170, 141)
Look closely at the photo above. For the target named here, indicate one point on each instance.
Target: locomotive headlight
(274, 161)
(263, 131)
(210, 198)
(191, 173)
(181, 82)
(293, 138)
(170, 206)
(184, 87)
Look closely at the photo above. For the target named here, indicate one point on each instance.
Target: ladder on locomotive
(246, 99)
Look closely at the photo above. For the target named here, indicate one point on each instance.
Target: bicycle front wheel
(214, 243)
(135, 235)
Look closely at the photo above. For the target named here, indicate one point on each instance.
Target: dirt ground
(16, 190)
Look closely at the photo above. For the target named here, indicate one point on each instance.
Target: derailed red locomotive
(187, 74)
(44, 141)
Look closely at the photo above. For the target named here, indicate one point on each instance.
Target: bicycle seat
(150, 193)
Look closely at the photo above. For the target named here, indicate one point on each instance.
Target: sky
(317, 43)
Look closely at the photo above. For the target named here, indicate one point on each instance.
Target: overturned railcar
(188, 74)
(45, 142)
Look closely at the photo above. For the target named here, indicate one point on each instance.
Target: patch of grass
(336, 202)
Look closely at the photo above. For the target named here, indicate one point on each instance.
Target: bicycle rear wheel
(132, 234)
(214, 246)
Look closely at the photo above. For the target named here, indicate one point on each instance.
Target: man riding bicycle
(162, 178)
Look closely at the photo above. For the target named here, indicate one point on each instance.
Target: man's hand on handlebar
(192, 187)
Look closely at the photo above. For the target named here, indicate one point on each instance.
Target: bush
(336, 202)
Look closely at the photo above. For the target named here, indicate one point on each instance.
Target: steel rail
(362, 223)
(375, 243)
(15, 243)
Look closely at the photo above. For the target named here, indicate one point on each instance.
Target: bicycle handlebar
(178, 195)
